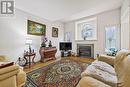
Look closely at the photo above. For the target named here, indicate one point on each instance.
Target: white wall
(103, 19)
(125, 25)
(13, 33)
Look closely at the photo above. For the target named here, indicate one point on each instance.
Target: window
(112, 37)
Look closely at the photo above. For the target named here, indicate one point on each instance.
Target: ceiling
(66, 10)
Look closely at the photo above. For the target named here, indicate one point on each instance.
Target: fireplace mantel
(85, 50)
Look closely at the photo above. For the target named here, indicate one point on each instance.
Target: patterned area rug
(63, 73)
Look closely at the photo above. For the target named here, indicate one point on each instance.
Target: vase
(43, 44)
(50, 45)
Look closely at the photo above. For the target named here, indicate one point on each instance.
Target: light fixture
(28, 42)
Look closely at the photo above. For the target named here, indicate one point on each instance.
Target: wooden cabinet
(47, 53)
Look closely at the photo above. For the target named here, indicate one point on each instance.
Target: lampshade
(28, 41)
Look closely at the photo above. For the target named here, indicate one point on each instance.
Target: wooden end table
(28, 57)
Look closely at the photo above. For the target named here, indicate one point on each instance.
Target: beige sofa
(107, 59)
(102, 74)
(11, 76)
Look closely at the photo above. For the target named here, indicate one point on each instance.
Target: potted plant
(44, 40)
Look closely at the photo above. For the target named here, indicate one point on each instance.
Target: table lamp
(29, 42)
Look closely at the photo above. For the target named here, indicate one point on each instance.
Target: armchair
(101, 74)
(3, 58)
(11, 76)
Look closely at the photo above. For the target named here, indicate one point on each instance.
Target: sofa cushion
(91, 82)
(104, 66)
(101, 75)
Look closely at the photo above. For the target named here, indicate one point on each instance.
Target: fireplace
(85, 50)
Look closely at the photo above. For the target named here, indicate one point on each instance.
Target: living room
(36, 36)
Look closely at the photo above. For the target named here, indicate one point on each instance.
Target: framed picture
(54, 32)
(35, 28)
(86, 29)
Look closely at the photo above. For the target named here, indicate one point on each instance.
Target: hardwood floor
(40, 64)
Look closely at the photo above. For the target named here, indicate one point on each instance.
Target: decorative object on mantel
(50, 44)
(86, 29)
(44, 40)
(54, 32)
(35, 28)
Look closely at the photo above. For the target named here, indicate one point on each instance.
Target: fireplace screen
(85, 50)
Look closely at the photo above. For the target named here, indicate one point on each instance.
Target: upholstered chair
(3, 58)
(12, 75)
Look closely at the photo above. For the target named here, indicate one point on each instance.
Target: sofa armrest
(9, 74)
(8, 69)
(91, 82)
(21, 78)
(107, 59)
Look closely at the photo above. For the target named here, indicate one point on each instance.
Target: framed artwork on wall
(86, 29)
(35, 28)
(54, 32)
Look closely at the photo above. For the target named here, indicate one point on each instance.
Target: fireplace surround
(85, 50)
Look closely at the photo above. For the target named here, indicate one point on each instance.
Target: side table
(29, 57)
